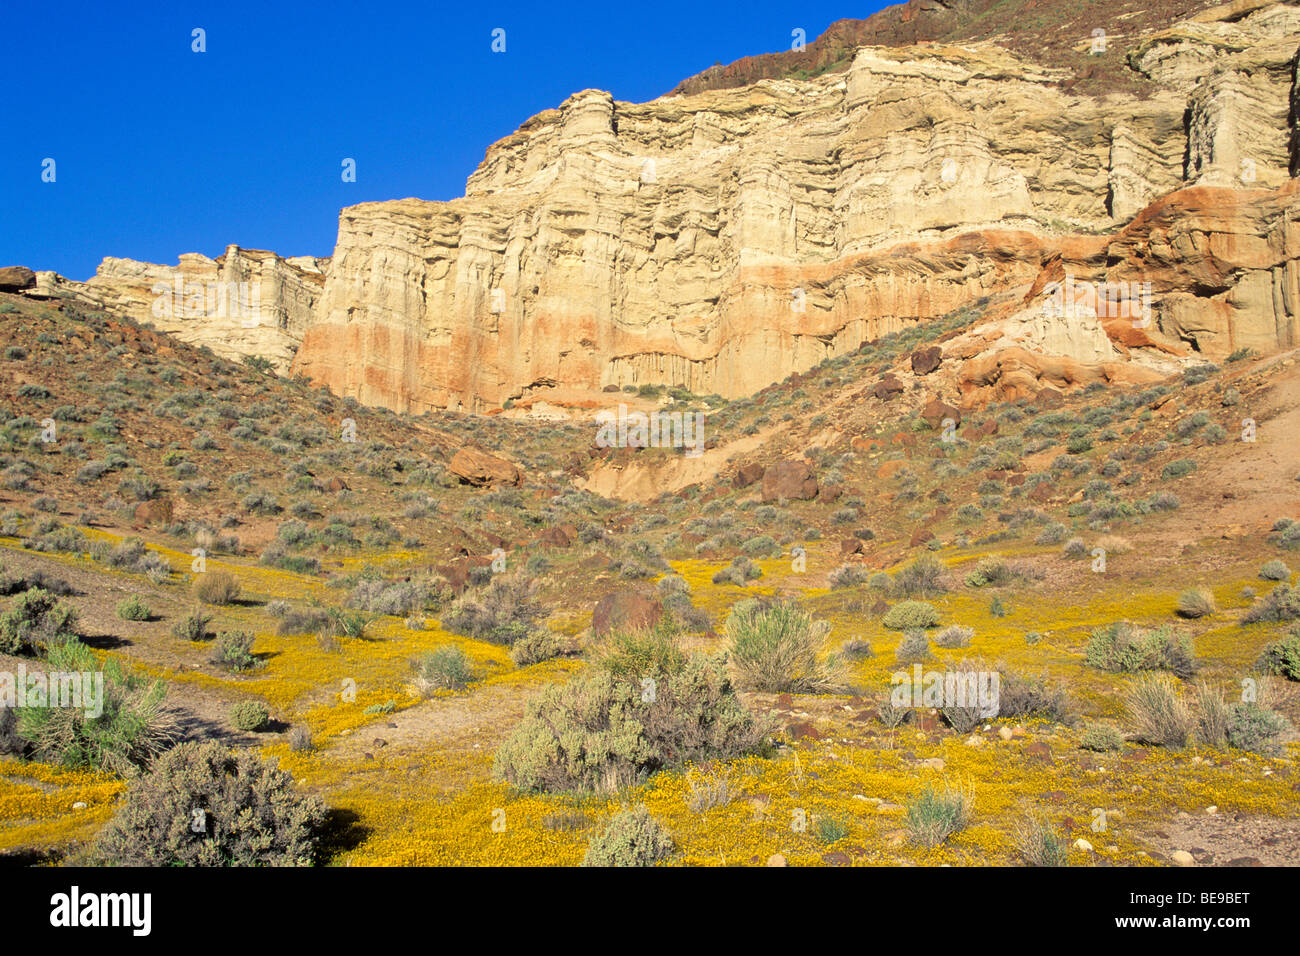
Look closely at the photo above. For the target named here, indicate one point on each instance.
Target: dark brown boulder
(925, 361)
(791, 480)
(554, 538)
(920, 536)
(473, 466)
(887, 389)
(746, 475)
(850, 546)
(625, 609)
(16, 278)
(830, 493)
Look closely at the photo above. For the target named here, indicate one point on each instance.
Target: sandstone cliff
(245, 302)
(724, 239)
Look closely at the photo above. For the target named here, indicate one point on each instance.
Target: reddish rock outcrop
(473, 466)
(789, 480)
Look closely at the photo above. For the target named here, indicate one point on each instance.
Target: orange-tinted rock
(791, 480)
(625, 608)
(155, 512)
(476, 467)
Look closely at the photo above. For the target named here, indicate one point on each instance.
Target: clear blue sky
(160, 150)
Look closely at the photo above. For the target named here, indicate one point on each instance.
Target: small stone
(1082, 844)
(975, 741)
(79, 805)
(933, 763)
(1212, 810)
(1005, 733)
(776, 859)
(1183, 858)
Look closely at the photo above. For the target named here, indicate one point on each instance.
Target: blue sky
(159, 150)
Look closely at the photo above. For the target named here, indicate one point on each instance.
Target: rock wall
(245, 302)
(725, 239)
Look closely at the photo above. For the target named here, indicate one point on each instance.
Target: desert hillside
(882, 454)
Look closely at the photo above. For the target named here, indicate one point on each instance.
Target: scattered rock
(791, 480)
(776, 859)
(625, 608)
(554, 538)
(803, 730)
(936, 411)
(1183, 858)
(887, 389)
(926, 360)
(746, 475)
(476, 467)
(1082, 844)
(155, 512)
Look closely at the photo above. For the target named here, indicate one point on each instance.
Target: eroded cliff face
(725, 239)
(245, 302)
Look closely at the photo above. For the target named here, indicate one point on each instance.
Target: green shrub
(234, 651)
(1281, 604)
(922, 577)
(1211, 715)
(1103, 738)
(779, 649)
(447, 668)
(203, 805)
(1020, 696)
(503, 613)
(632, 838)
(129, 731)
(1123, 648)
(133, 609)
(913, 648)
(1255, 728)
(1040, 846)
(1178, 469)
(954, 636)
(1283, 656)
(1158, 712)
(217, 587)
(990, 573)
(936, 815)
(601, 733)
(1196, 602)
(36, 620)
(847, 576)
(829, 830)
(1275, 571)
(634, 653)
(192, 627)
(537, 647)
(908, 615)
(249, 715)
(740, 572)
